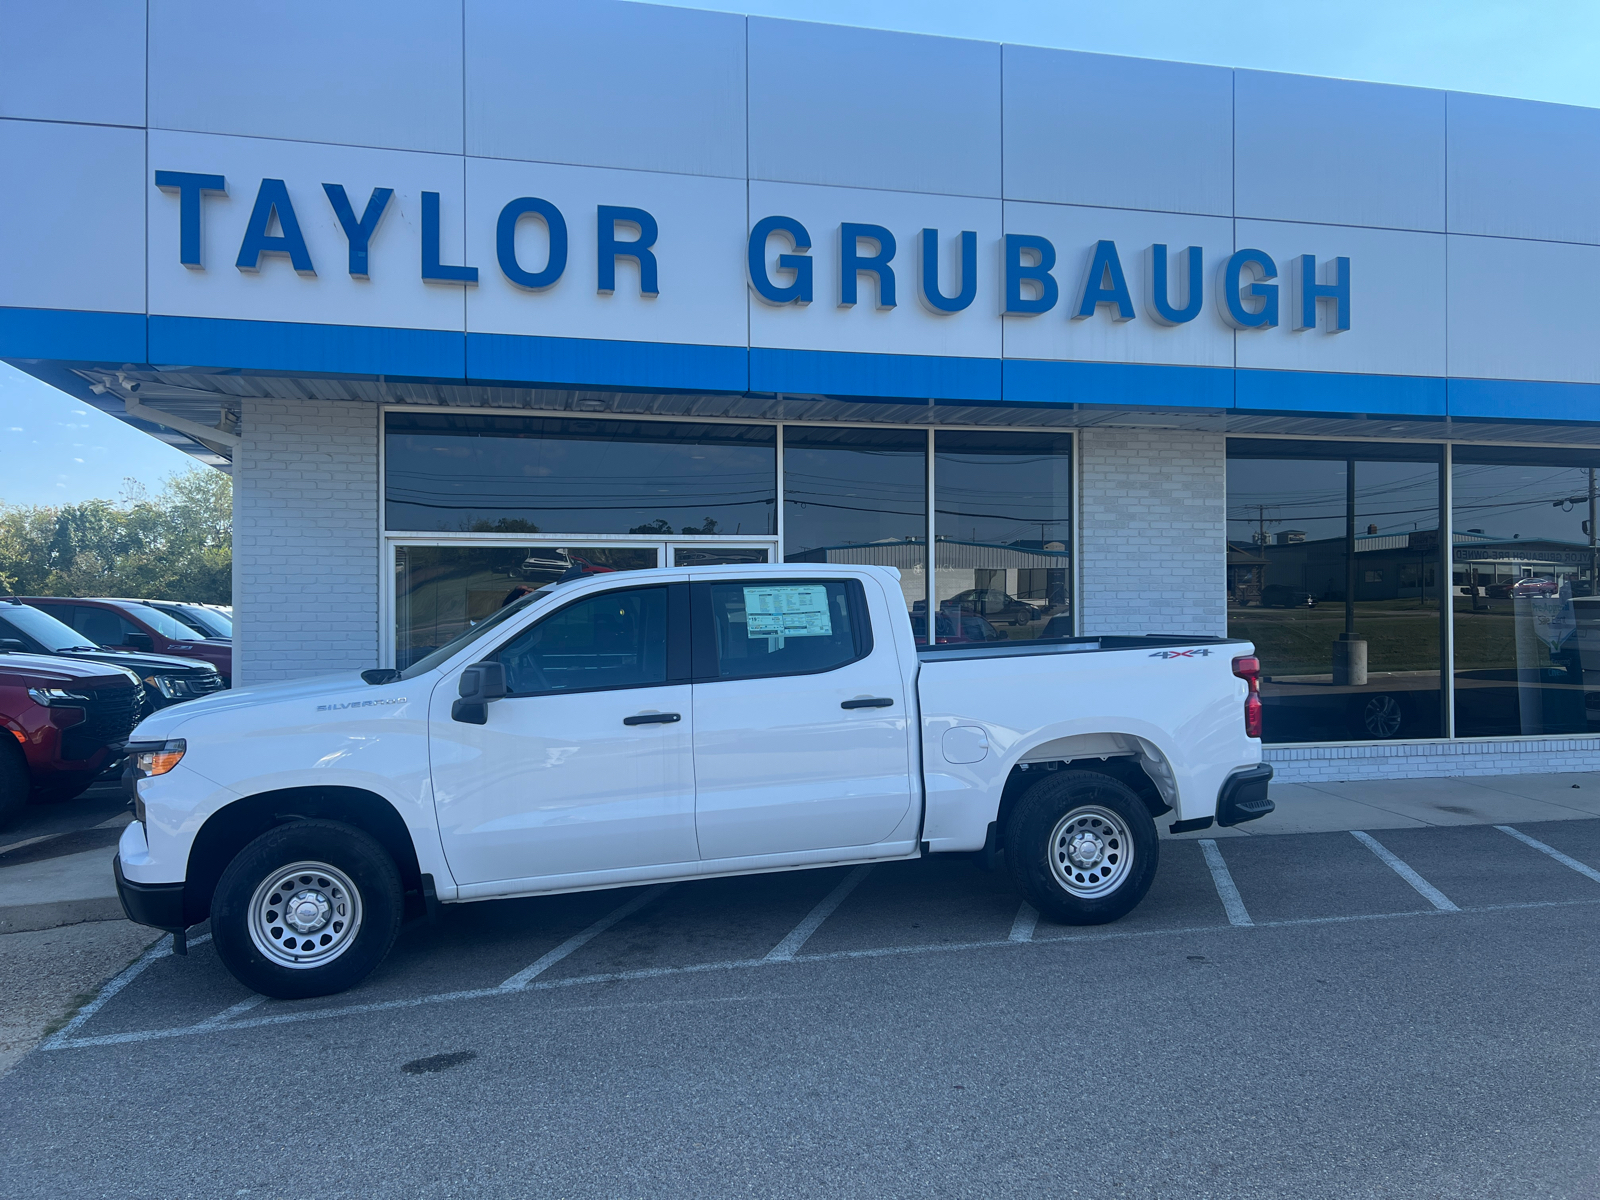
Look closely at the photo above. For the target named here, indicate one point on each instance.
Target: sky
(54, 450)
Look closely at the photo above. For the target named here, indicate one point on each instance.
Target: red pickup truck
(62, 723)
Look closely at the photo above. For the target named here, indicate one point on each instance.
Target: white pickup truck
(671, 725)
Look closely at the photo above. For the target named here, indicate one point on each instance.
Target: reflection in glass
(1335, 573)
(1527, 632)
(858, 496)
(717, 556)
(489, 474)
(440, 591)
(1002, 537)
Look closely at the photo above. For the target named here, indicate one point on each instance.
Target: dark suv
(62, 723)
(166, 680)
(137, 626)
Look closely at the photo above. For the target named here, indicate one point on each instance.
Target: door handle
(653, 719)
(877, 702)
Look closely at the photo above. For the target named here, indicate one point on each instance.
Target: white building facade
(470, 294)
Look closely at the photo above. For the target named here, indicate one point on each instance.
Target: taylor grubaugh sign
(1247, 291)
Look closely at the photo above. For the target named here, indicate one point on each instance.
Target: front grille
(204, 685)
(109, 717)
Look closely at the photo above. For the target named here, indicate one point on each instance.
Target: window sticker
(786, 611)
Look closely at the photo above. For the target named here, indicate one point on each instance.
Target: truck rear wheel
(307, 909)
(1081, 847)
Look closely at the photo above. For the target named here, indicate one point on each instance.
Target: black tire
(14, 781)
(1074, 893)
(336, 955)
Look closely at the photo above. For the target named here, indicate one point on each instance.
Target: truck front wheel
(1081, 848)
(307, 909)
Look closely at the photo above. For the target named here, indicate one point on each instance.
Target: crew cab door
(585, 769)
(802, 730)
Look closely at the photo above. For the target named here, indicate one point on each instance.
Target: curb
(25, 918)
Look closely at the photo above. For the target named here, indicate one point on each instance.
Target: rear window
(793, 627)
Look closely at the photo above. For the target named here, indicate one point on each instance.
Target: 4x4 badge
(1202, 651)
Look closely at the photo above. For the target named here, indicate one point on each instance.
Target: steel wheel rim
(1091, 851)
(304, 915)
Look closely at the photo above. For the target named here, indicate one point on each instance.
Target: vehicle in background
(1281, 595)
(674, 724)
(1539, 585)
(207, 620)
(550, 565)
(952, 625)
(62, 723)
(28, 630)
(995, 605)
(136, 626)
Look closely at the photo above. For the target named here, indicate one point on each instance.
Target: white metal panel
(393, 295)
(72, 217)
(1073, 230)
(865, 108)
(1522, 310)
(1120, 132)
(73, 60)
(909, 327)
(360, 72)
(606, 84)
(1338, 151)
(1397, 301)
(1523, 169)
(699, 255)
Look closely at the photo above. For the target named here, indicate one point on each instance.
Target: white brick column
(305, 539)
(1152, 532)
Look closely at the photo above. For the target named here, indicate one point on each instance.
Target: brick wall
(1426, 760)
(305, 539)
(1152, 532)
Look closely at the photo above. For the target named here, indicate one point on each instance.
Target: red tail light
(1249, 670)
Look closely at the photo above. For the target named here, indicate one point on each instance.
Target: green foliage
(177, 545)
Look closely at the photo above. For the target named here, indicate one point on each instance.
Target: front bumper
(159, 905)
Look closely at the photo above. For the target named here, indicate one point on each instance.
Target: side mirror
(139, 641)
(12, 646)
(480, 683)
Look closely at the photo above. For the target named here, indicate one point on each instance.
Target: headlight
(49, 696)
(156, 758)
(170, 686)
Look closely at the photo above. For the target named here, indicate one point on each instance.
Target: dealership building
(473, 294)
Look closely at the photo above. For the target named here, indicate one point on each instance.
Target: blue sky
(54, 450)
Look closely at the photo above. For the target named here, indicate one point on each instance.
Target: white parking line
(1563, 859)
(1027, 921)
(1424, 889)
(320, 1014)
(785, 950)
(578, 940)
(161, 949)
(227, 1014)
(1227, 890)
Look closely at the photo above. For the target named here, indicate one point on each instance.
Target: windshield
(208, 620)
(423, 665)
(163, 623)
(43, 628)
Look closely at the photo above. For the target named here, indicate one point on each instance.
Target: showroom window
(481, 509)
(1003, 525)
(1523, 570)
(1335, 571)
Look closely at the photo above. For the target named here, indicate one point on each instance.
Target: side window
(616, 639)
(99, 625)
(797, 627)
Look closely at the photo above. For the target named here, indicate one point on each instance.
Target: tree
(177, 545)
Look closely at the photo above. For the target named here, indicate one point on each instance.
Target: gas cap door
(964, 744)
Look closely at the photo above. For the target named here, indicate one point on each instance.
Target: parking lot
(1407, 1012)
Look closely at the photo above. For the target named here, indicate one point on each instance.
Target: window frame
(703, 636)
(678, 619)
